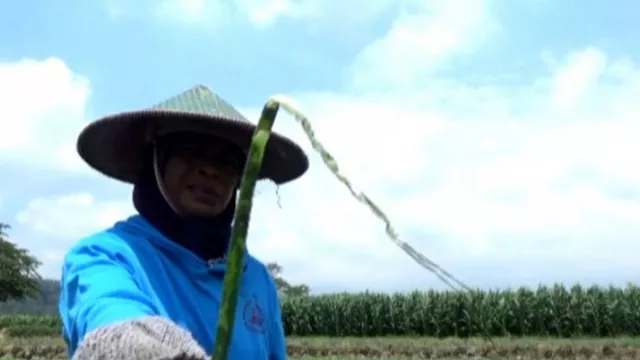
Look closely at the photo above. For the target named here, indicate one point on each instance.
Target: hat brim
(115, 145)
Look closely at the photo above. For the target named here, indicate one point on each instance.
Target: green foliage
(18, 320)
(19, 278)
(45, 303)
(31, 331)
(547, 311)
(285, 289)
(554, 311)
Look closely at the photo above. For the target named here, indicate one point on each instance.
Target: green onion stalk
(238, 242)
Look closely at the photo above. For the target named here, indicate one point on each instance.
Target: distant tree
(45, 303)
(19, 278)
(284, 288)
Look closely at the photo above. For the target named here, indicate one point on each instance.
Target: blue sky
(499, 136)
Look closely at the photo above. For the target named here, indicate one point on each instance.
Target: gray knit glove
(148, 338)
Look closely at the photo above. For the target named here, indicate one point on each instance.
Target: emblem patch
(253, 316)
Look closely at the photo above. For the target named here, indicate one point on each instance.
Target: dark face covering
(207, 237)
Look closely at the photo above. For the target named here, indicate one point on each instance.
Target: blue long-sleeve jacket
(132, 270)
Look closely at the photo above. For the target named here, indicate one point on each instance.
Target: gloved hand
(149, 338)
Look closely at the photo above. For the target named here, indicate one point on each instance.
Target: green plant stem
(243, 212)
(238, 243)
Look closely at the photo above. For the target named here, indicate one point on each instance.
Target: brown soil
(466, 352)
(415, 352)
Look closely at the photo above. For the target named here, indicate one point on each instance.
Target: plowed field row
(399, 349)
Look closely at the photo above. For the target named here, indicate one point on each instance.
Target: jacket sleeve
(277, 338)
(98, 288)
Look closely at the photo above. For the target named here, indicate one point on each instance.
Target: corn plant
(546, 311)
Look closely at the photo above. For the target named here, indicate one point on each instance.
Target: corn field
(554, 311)
(547, 311)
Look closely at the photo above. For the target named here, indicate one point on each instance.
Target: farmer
(150, 287)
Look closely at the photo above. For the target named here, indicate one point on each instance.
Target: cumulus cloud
(576, 77)
(421, 40)
(262, 14)
(71, 216)
(43, 105)
(57, 222)
(537, 181)
(43, 108)
(207, 13)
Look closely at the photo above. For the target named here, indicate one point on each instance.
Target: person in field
(150, 287)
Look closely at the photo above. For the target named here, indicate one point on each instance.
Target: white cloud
(189, 11)
(421, 40)
(207, 13)
(55, 223)
(265, 13)
(43, 109)
(577, 76)
(503, 186)
(71, 217)
(334, 13)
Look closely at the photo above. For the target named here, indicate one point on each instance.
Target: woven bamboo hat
(115, 145)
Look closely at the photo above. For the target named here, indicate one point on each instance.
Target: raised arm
(98, 288)
(106, 315)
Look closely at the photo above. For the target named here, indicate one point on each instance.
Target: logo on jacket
(253, 316)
